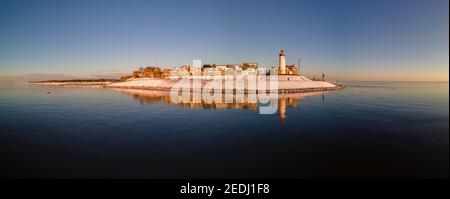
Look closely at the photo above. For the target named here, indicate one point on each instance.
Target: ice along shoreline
(286, 84)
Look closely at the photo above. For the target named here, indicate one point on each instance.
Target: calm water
(365, 130)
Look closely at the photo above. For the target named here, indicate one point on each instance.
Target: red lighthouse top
(282, 53)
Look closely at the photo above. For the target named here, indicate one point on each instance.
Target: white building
(282, 63)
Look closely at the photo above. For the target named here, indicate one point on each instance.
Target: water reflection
(285, 101)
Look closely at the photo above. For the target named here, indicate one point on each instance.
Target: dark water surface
(366, 130)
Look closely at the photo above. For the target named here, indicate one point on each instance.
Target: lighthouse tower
(282, 63)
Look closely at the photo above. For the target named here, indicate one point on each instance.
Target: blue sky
(404, 40)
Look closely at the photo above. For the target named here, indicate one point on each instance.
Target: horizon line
(349, 81)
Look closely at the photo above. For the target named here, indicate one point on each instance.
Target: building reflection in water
(285, 101)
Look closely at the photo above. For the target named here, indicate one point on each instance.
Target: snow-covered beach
(284, 84)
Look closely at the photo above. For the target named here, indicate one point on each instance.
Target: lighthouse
(282, 63)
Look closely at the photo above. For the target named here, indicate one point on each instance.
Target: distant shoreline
(76, 82)
(118, 80)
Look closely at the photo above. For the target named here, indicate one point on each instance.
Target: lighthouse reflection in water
(284, 101)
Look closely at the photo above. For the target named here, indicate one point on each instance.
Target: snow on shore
(285, 84)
